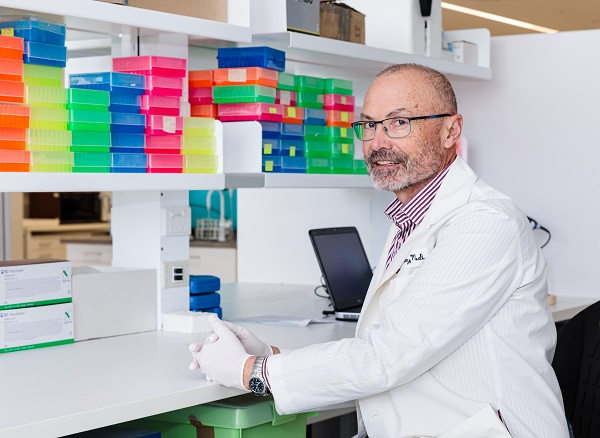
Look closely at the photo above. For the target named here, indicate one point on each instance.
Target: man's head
(422, 147)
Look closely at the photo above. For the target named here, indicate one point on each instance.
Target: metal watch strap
(257, 373)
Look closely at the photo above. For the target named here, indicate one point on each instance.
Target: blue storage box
(127, 170)
(292, 131)
(270, 129)
(128, 140)
(33, 29)
(271, 163)
(129, 160)
(293, 164)
(127, 122)
(116, 432)
(125, 103)
(271, 146)
(292, 148)
(202, 284)
(110, 81)
(205, 301)
(217, 310)
(44, 54)
(313, 116)
(261, 56)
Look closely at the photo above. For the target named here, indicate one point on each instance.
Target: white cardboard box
(34, 282)
(113, 301)
(186, 321)
(34, 327)
(465, 52)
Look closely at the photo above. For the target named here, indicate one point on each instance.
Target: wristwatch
(257, 382)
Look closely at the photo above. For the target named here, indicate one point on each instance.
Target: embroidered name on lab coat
(416, 258)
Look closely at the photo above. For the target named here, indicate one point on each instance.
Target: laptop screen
(344, 265)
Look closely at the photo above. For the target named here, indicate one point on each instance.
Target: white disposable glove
(251, 343)
(223, 359)
(195, 347)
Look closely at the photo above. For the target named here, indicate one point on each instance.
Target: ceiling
(562, 15)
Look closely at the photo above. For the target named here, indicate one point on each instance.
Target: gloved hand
(251, 343)
(195, 348)
(223, 359)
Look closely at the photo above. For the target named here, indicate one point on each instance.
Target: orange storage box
(340, 118)
(248, 75)
(200, 78)
(11, 69)
(11, 47)
(293, 114)
(12, 91)
(13, 138)
(14, 161)
(210, 111)
(14, 116)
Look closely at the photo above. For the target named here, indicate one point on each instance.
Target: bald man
(455, 338)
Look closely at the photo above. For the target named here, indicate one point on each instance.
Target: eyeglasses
(394, 127)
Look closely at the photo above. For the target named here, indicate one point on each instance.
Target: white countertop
(66, 389)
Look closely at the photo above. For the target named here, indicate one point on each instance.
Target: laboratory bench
(61, 390)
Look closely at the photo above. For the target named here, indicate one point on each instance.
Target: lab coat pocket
(483, 424)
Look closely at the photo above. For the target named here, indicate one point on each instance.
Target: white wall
(533, 133)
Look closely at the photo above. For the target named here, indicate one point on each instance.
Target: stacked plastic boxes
(203, 294)
(44, 56)
(161, 104)
(200, 84)
(198, 145)
(14, 116)
(121, 147)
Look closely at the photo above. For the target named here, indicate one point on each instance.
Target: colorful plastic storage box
(270, 129)
(360, 167)
(262, 56)
(125, 103)
(44, 54)
(339, 102)
(13, 91)
(208, 300)
(317, 149)
(286, 97)
(46, 97)
(87, 100)
(164, 85)
(164, 125)
(243, 93)
(309, 83)
(292, 148)
(14, 116)
(271, 163)
(340, 134)
(286, 81)
(200, 78)
(315, 132)
(200, 164)
(342, 165)
(51, 157)
(293, 164)
(49, 118)
(92, 159)
(308, 99)
(201, 96)
(165, 163)
(340, 118)
(338, 86)
(160, 105)
(271, 146)
(291, 131)
(129, 160)
(14, 161)
(110, 81)
(127, 122)
(249, 75)
(34, 74)
(293, 114)
(198, 145)
(32, 28)
(11, 47)
(127, 143)
(200, 127)
(13, 138)
(203, 284)
(49, 140)
(83, 120)
(318, 165)
(342, 150)
(250, 111)
(90, 141)
(205, 111)
(151, 65)
(313, 116)
(163, 144)
(11, 69)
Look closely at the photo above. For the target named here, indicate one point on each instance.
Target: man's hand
(222, 357)
(251, 343)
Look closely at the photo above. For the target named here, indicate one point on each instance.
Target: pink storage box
(163, 144)
(164, 125)
(285, 97)
(160, 105)
(201, 96)
(151, 65)
(338, 102)
(165, 163)
(164, 86)
(230, 112)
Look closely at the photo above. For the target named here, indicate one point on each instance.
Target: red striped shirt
(408, 217)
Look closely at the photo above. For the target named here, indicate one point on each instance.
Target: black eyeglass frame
(357, 124)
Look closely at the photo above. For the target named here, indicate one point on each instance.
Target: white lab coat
(456, 329)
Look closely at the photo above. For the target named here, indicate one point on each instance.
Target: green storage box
(338, 86)
(83, 120)
(360, 167)
(245, 416)
(342, 165)
(243, 94)
(310, 83)
(342, 150)
(315, 132)
(338, 134)
(308, 99)
(318, 165)
(286, 81)
(92, 159)
(317, 149)
(91, 169)
(87, 100)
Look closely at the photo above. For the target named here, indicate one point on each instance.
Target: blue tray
(205, 301)
(271, 146)
(129, 160)
(293, 165)
(271, 164)
(127, 150)
(314, 116)
(201, 284)
(127, 170)
(127, 122)
(110, 81)
(291, 131)
(292, 148)
(44, 54)
(32, 29)
(125, 103)
(270, 129)
(261, 56)
(126, 139)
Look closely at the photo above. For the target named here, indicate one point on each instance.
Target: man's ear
(452, 130)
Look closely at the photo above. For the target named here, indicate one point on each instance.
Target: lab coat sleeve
(474, 268)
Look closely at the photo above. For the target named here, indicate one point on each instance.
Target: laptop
(345, 268)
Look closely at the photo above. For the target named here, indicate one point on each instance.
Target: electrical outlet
(176, 274)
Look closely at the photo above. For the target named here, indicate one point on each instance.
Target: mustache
(387, 155)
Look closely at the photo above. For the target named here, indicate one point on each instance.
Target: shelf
(297, 180)
(107, 182)
(358, 58)
(116, 20)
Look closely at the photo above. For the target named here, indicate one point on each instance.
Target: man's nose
(380, 139)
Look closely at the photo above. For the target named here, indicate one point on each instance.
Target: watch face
(256, 385)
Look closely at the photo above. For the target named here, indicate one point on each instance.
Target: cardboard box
(35, 327)
(341, 22)
(113, 301)
(208, 9)
(34, 282)
(465, 52)
(303, 16)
